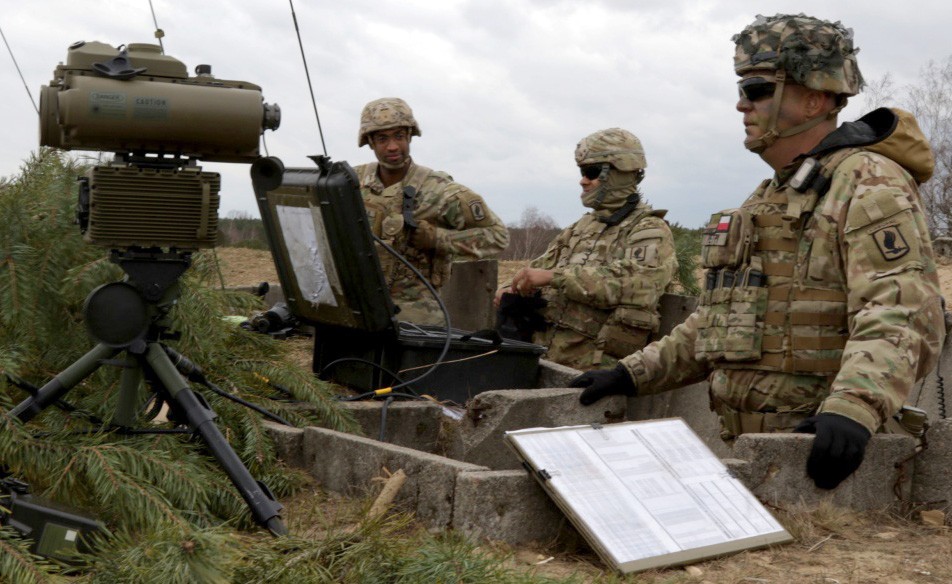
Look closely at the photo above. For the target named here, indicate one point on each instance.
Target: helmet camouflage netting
(616, 146)
(815, 53)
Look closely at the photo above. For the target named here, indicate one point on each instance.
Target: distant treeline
(241, 230)
(528, 239)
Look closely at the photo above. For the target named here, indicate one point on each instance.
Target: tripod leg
(63, 382)
(201, 419)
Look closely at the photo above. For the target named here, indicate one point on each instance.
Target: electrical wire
(15, 64)
(307, 73)
(446, 320)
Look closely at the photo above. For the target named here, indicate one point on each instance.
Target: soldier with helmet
(426, 216)
(601, 277)
(822, 305)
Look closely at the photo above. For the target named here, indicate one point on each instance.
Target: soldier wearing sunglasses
(601, 278)
(822, 306)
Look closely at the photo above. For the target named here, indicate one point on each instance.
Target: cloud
(503, 89)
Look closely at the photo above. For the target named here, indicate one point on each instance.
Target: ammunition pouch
(627, 331)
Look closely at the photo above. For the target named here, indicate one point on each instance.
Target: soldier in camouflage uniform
(422, 213)
(603, 275)
(822, 306)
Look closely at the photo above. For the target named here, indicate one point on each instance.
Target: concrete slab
(478, 436)
(347, 464)
(414, 424)
(507, 506)
(774, 469)
(932, 484)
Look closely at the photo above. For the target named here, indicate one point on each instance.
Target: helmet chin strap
(771, 135)
(389, 166)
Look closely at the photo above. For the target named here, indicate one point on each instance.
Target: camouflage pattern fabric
(383, 114)
(815, 53)
(616, 146)
(607, 278)
(867, 241)
(466, 229)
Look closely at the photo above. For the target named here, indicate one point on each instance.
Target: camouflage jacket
(865, 249)
(466, 229)
(607, 281)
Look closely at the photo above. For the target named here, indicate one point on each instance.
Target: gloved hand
(424, 236)
(837, 449)
(604, 382)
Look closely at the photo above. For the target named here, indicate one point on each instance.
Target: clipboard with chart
(646, 494)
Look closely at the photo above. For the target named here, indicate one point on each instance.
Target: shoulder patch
(476, 208)
(892, 245)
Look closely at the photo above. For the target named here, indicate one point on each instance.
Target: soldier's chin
(392, 166)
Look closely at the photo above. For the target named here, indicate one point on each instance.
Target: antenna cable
(308, 74)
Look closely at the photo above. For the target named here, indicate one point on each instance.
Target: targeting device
(143, 105)
(152, 206)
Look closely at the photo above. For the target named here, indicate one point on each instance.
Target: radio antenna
(308, 74)
(159, 33)
(15, 64)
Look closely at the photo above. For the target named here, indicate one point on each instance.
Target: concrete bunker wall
(462, 476)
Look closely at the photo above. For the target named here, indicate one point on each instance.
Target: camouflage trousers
(572, 349)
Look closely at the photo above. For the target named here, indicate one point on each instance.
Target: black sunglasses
(591, 171)
(756, 88)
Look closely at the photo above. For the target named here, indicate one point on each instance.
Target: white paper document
(646, 494)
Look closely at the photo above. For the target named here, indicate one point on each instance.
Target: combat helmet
(808, 51)
(383, 114)
(616, 146)
(622, 158)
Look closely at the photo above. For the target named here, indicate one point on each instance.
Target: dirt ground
(830, 546)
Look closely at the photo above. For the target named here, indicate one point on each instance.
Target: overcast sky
(502, 89)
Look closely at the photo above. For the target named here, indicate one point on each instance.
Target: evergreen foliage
(687, 244)
(171, 514)
(141, 486)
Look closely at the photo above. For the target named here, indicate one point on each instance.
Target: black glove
(837, 449)
(604, 382)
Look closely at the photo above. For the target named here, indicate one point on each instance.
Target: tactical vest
(759, 309)
(388, 213)
(619, 331)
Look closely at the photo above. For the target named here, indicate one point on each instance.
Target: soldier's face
(755, 100)
(589, 184)
(391, 147)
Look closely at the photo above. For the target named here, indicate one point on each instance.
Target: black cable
(379, 393)
(194, 373)
(439, 301)
(308, 74)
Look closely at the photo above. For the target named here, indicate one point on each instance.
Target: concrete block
(932, 481)
(478, 436)
(673, 310)
(347, 464)
(414, 424)
(468, 295)
(552, 374)
(508, 506)
(775, 471)
(288, 442)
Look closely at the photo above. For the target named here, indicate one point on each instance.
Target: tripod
(131, 317)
